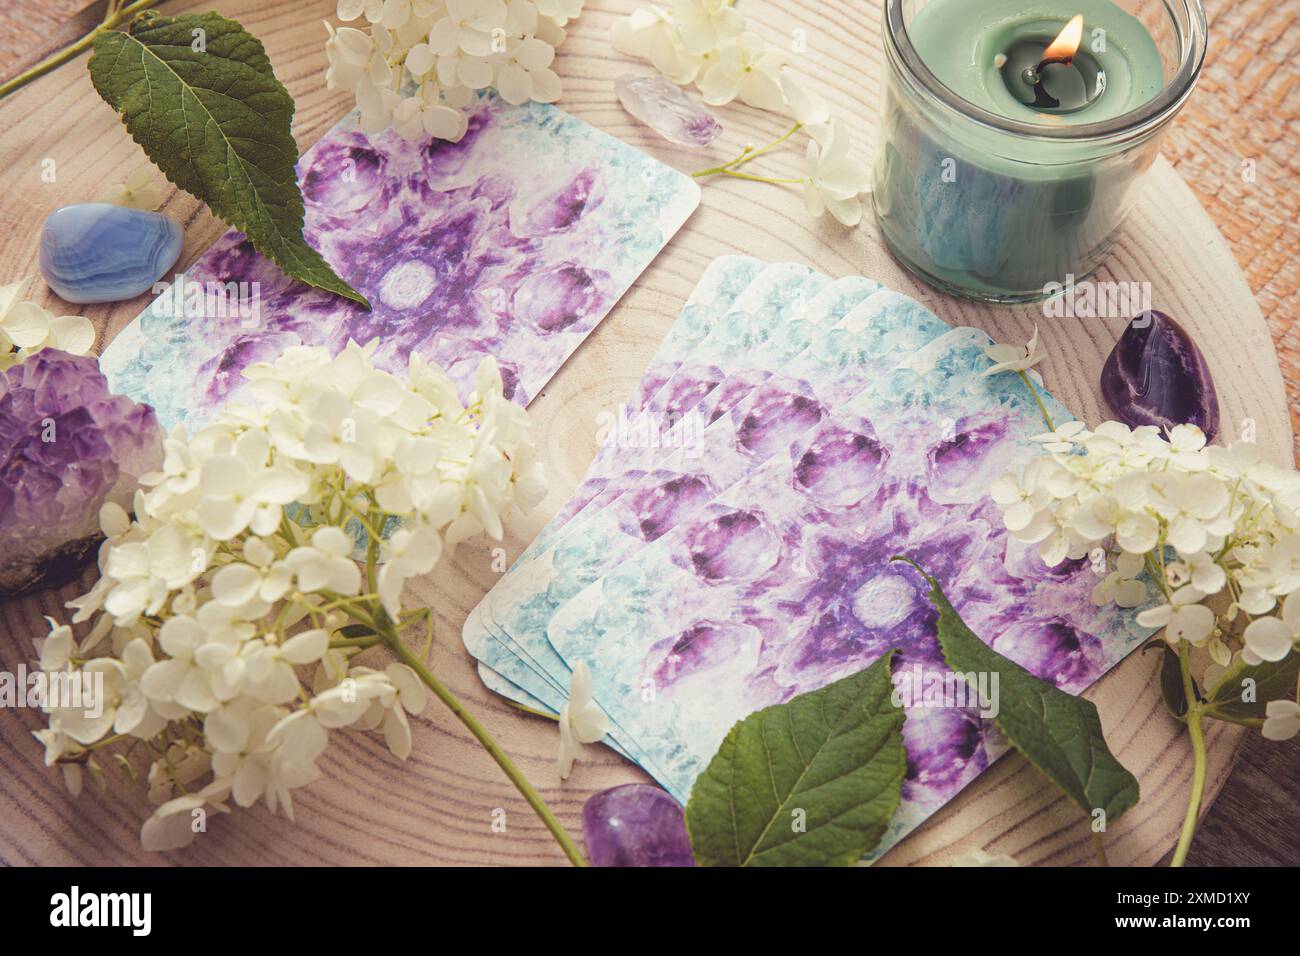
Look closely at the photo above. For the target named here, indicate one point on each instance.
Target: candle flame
(1066, 44)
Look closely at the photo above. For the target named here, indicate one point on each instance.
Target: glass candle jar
(986, 196)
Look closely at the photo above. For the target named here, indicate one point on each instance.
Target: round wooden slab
(63, 145)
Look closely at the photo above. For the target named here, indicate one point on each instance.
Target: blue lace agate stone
(99, 252)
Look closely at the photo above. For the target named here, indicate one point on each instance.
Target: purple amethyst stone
(635, 825)
(66, 447)
(1156, 375)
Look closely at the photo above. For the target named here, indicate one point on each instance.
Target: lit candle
(1052, 78)
(1014, 133)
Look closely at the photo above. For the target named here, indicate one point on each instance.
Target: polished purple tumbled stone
(1156, 375)
(635, 825)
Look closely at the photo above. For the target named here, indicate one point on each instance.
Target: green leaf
(1171, 678)
(1273, 680)
(216, 121)
(810, 782)
(1058, 732)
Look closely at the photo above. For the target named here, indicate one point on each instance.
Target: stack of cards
(730, 546)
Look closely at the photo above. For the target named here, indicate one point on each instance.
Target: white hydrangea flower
(349, 10)
(417, 117)
(651, 34)
(1122, 585)
(1193, 509)
(1184, 618)
(1022, 496)
(240, 490)
(581, 719)
(241, 753)
(172, 825)
(526, 73)
(1011, 358)
(237, 575)
(56, 649)
(1281, 719)
(1018, 358)
(1273, 638)
(1204, 573)
(835, 179)
(26, 328)
(139, 191)
(409, 697)
(707, 24)
(467, 25)
(260, 575)
(411, 554)
(748, 70)
(560, 11)
(326, 563)
(140, 574)
(809, 109)
(180, 678)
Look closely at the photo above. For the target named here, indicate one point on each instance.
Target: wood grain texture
(438, 807)
(31, 31)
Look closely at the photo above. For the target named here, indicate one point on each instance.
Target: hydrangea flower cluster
(267, 551)
(421, 62)
(1217, 529)
(708, 43)
(67, 446)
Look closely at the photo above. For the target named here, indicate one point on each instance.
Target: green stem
(483, 737)
(113, 18)
(530, 710)
(757, 179)
(345, 643)
(749, 154)
(1099, 849)
(1195, 728)
(1029, 384)
(1253, 722)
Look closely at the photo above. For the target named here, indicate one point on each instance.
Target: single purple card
(514, 242)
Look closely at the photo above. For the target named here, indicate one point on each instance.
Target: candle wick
(1063, 60)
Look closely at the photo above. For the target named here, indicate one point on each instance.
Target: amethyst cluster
(66, 446)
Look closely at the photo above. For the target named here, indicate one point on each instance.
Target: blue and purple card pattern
(750, 563)
(462, 250)
(849, 332)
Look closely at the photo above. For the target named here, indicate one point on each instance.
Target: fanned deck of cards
(730, 545)
(514, 242)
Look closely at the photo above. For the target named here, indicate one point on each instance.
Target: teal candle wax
(960, 41)
(997, 213)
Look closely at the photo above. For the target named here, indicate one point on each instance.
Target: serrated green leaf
(810, 782)
(1059, 733)
(1273, 680)
(216, 121)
